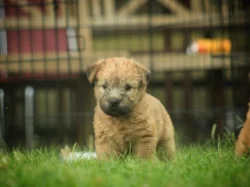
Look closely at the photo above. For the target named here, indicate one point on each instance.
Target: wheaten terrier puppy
(243, 142)
(127, 119)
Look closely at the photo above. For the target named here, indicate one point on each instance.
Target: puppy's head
(120, 84)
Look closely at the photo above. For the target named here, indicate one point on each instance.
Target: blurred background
(197, 50)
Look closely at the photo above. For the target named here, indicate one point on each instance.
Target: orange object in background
(210, 46)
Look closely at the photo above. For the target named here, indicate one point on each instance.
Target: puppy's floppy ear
(146, 72)
(92, 70)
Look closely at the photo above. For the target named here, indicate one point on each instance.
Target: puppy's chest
(129, 134)
(123, 132)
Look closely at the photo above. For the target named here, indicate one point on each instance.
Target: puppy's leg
(145, 147)
(167, 141)
(108, 149)
(167, 149)
(241, 149)
(104, 150)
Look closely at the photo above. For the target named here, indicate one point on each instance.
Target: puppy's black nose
(114, 102)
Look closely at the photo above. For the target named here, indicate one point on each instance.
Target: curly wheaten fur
(243, 141)
(126, 117)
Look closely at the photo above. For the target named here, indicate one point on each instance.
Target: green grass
(194, 166)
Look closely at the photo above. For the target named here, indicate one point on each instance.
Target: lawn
(207, 165)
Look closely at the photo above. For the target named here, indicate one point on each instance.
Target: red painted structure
(33, 40)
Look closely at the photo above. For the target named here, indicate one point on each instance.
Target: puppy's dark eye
(105, 86)
(128, 87)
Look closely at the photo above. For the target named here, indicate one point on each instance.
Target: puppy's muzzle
(114, 108)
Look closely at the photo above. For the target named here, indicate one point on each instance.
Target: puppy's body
(142, 130)
(126, 117)
(243, 141)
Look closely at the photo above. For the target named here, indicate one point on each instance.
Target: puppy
(243, 141)
(127, 119)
